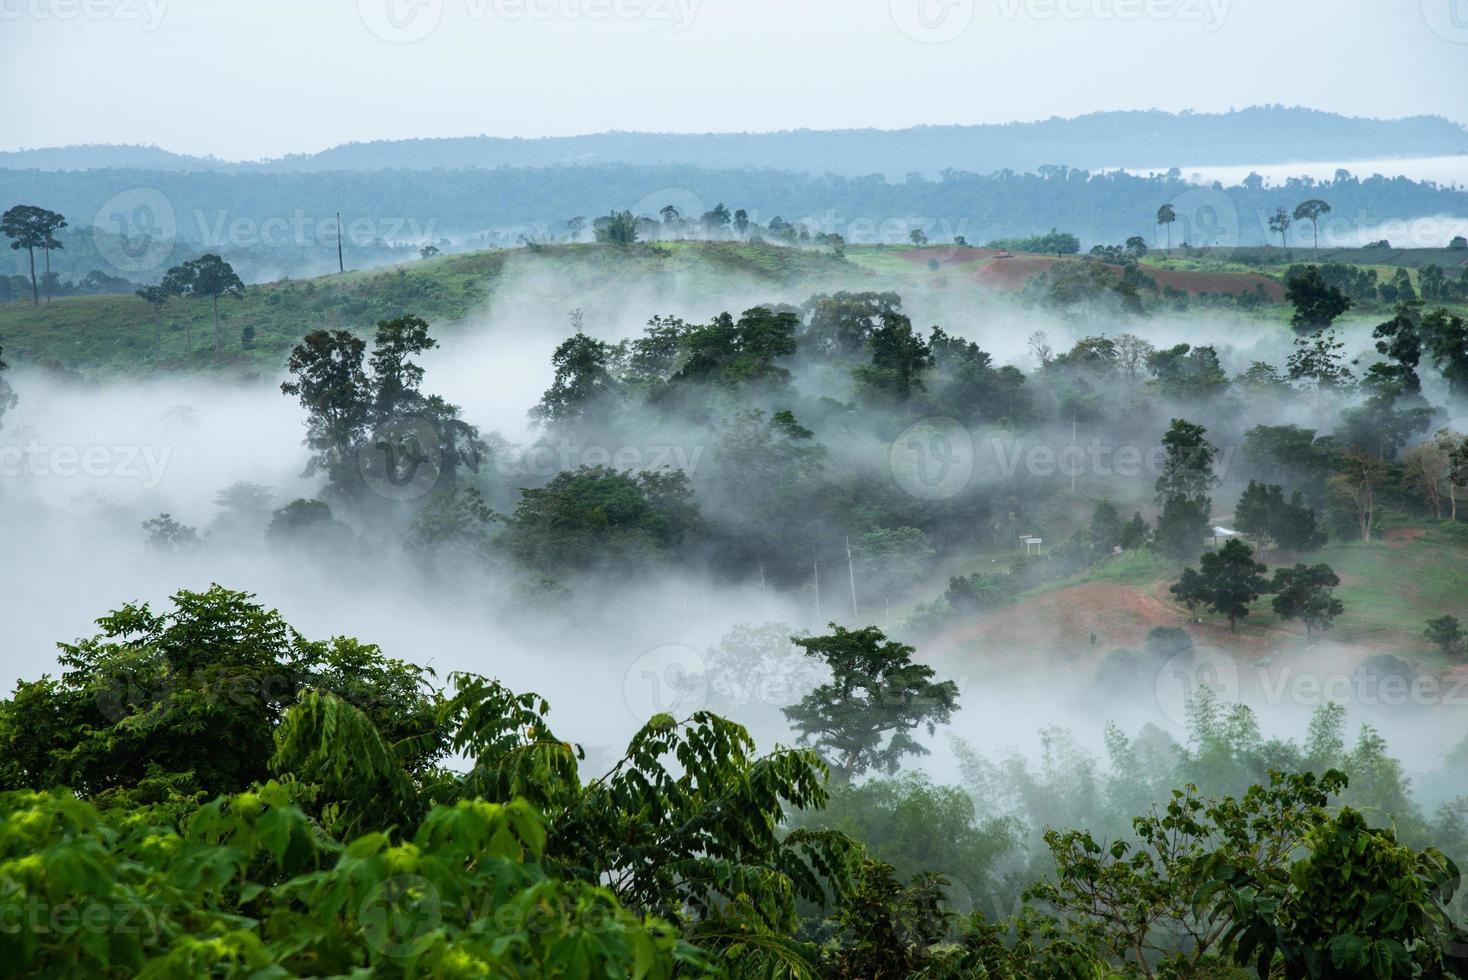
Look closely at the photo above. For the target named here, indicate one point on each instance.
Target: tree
(1257, 510)
(582, 380)
(1317, 303)
(208, 276)
(1428, 470)
(1190, 590)
(899, 358)
(863, 717)
(1446, 633)
(1445, 335)
(1265, 515)
(30, 227)
(1304, 593)
(620, 227)
(597, 519)
(1231, 580)
(1107, 528)
(329, 380)
(155, 296)
(918, 237)
(1165, 217)
(741, 222)
(1311, 211)
(1182, 490)
(429, 251)
(1280, 222)
(1136, 247)
(1359, 475)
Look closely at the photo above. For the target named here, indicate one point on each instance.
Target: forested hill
(1258, 135)
(286, 221)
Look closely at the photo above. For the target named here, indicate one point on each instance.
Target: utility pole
(851, 570)
(340, 265)
(816, 567)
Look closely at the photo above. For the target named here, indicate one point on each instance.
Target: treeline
(209, 210)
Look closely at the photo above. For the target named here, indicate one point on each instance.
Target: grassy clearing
(118, 336)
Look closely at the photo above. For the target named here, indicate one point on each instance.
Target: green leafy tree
(210, 277)
(582, 381)
(1312, 211)
(598, 518)
(1191, 590)
(1231, 579)
(899, 358)
(1445, 336)
(863, 718)
(30, 227)
(1446, 633)
(619, 227)
(1317, 303)
(1304, 593)
(1182, 490)
(186, 701)
(1358, 905)
(1106, 529)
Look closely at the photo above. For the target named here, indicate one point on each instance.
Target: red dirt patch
(1215, 282)
(1012, 273)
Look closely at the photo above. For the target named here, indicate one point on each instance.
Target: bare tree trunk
(48, 273)
(35, 293)
(216, 329)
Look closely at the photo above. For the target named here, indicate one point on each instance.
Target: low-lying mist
(88, 462)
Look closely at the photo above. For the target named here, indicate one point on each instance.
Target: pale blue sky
(253, 78)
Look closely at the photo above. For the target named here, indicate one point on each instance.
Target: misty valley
(952, 528)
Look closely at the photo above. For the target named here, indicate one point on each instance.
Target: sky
(248, 79)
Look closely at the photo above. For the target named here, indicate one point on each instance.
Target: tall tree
(328, 378)
(1311, 211)
(30, 227)
(1182, 490)
(1165, 217)
(863, 718)
(1280, 222)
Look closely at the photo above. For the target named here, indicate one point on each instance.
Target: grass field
(118, 335)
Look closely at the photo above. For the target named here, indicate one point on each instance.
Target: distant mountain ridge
(1148, 138)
